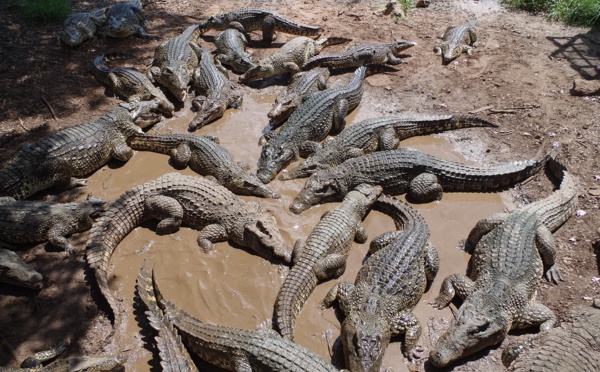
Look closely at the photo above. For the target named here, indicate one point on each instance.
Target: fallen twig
(481, 109)
(22, 124)
(49, 108)
(503, 111)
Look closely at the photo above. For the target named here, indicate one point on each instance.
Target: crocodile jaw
(16, 272)
(364, 337)
(317, 189)
(262, 235)
(272, 160)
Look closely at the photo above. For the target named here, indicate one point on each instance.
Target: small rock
(585, 87)
(423, 3)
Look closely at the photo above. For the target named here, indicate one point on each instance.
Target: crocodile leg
(308, 148)
(181, 155)
(340, 111)
(432, 262)
(166, 209)
(407, 323)
(56, 237)
(332, 266)
(211, 234)
(340, 292)
(393, 60)
(383, 240)
(120, 150)
(468, 50)
(547, 248)
(361, 234)
(268, 29)
(388, 139)
(241, 362)
(515, 348)
(425, 188)
(483, 227)
(455, 284)
(536, 314)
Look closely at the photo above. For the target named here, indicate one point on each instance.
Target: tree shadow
(582, 51)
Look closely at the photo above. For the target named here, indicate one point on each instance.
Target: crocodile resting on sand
(231, 50)
(457, 39)
(79, 27)
(124, 19)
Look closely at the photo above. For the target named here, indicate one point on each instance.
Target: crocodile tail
(101, 59)
(405, 217)
(333, 41)
(160, 143)
(561, 205)
(468, 121)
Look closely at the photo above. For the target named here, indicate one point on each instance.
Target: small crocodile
(360, 55)
(509, 255)
(231, 50)
(291, 57)
(16, 272)
(79, 27)
(124, 19)
(323, 255)
(390, 283)
(129, 83)
(574, 346)
(175, 199)
(215, 93)
(73, 152)
(457, 39)
(175, 60)
(382, 133)
(205, 156)
(252, 19)
(420, 175)
(310, 123)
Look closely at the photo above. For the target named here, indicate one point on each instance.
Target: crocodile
(574, 346)
(175, 60)
(174, 199)
(80, 27)
(323, 255)
(360, 55)
(205, 156)
(55, 160)
(129, 83)
(15, 271)
(420, 175)
(509, 251)
(390, 283)
(231, 50)
(382, 133)
(310, 123)
(124, 19)
(215, 93)
(252, 19)
(457, 39)
(291, 57)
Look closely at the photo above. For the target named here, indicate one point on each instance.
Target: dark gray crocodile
(231, 50)
(388, 286)
(253, 19)
(310, 123)
(422, 176)
(215, 93)
(382, 133)
(175, 199)
(291, 57)
(15, 271)
(55, 160)
(360, 55)
(457, 39)
(175, 60)
(574, 346)
(129, 83)
(510, 251)
(205, 156)
(323, 255)
(79, 27)
(124, 19)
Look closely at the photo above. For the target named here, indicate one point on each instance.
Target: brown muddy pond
(235, 288)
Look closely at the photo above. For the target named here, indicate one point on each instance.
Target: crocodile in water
(124, 19)
(457, 39)
(231, 50)
(79, 27)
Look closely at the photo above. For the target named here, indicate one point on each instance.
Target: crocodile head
(480, 322)
(365, 337)
(87, 211)
(209, 109)
(282, 108)
(400, 45)
(261, 234)
(16, 272)
(175, 78)
(320, 160)
(249, 184)
(447, 51)
(258, 71)
(216, 22)
(273, 158)
(124, 20)
(72, 36)
(322, 186)
(242, 64)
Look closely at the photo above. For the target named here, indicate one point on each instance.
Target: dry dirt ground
(519, 77)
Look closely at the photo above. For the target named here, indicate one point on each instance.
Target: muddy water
(236, 288)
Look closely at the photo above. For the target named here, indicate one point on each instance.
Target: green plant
(46, 10)
(581, 12)
(406, 6)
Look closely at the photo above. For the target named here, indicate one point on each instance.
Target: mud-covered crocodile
(175, 199)
(55, 160)
(574, 346)
(360, 55)
(129, 83)
(457, 39)
(382, 133)
(253, 19)
(422, 176)
(291, 57)
(124, 19)
(205, 156)
(214, 92)
(323, 255)
(231, 50)
(79, 27)
(510, 251)
(310, 123)
(387, 287)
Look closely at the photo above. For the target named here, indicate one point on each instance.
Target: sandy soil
(519, 77)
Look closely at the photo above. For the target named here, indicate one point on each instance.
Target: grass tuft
(46, 10)
(577, 12)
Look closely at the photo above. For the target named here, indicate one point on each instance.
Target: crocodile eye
(323, 189)
(480, 328)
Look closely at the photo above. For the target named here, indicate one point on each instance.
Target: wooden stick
(49, 108)
(481, 109)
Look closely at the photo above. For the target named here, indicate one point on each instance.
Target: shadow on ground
(581, 51)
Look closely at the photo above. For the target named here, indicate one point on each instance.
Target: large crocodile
(175, 199)
(291, 57)
(422, 176)
(382, 133)
(124, 19)
(360, 55)
(323, 255)
(15, 271)
(510, 251)
(390, 283)
(214, 92)
(231, 50)
(129, 83)
(73, 152)
(205, 156)
(310, 123)
(457, 39)
(574, 346)
(175, 60)
(79, 27)
(252, 19)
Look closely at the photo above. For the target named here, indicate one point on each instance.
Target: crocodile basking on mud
(252, 19)
(124, 19)
(510, 251)
(79, 27)
(16, 272)
(457, 39)
(310, 123)
(378, 134)
(205, 156)
(387, 287)
(231, 50)
(422, 176)
(323, 255)
(175, 199)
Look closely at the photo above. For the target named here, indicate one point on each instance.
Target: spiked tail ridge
(329, 41)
